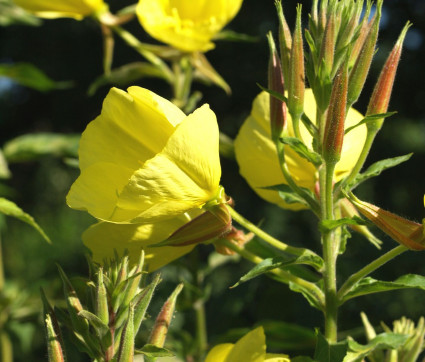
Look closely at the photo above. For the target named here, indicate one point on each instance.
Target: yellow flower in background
(185, 24)
(250, 348)
(258, 160)
(143, 160)
(51, 9)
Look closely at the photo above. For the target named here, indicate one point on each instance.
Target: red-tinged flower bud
(334, 129)
(277, 107)
(212, 224)
(362, 64)
(327, 50)
(235, 236)
(285, 41)
(54, 348)
(296, 84)
(406, 232)
(382, 92)
(163, 321)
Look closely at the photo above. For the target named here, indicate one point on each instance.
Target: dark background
(66, 49)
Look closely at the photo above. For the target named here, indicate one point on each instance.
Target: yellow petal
(186, 25)
(219, 353)
(103, 238)
(272, 357)
(66, 8)
(257, 157)
(184, 175)
(131, 129)
(250, 348)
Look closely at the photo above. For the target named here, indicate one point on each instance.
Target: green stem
(267, 237)
(285, 276)
(377, 263)
(108, 49)
(330, 252)
(144, 51)
(182, 81)
(201, 328)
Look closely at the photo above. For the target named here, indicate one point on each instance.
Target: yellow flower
(257, 157)
(103, 238)
(185, 24)
(250, 348)
(62, 8)
(143, 160)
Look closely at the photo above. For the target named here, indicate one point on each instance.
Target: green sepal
(30, 76)
(31, 147)
(9, 208)
(279, 262)
(152, 351)
(142, 301)
(371, 118)
(328, 225)
(302, 150)
(370, 286)
(102, 329)
(358, 352)
(376, 169)
(125, 75)
(329, 352)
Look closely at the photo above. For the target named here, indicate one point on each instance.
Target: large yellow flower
(185, 24)
(62, 8)
(250, 348)
(143, 160)
(257, 157)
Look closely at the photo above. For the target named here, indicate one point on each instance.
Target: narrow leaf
(152, 351)
(371, 118)
(11, 209)
(142, 302)
(370, 285)
(289, 196)
(206, 72)
(302, 150)
(30, 76)
(376, 168)
(230, 35)
(327, 225)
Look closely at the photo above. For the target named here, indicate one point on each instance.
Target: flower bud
(361, 67)
(406, 232)
(285, 41)
(54, 348)
(334, 129)
(126, 348)
(296, 84)
(163, 321)
(235, 236)
(327, 50)
(382, 92)
(277, 107)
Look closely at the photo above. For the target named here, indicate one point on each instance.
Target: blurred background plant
(52, 83)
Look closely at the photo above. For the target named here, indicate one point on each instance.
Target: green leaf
(381, 342)
(328, 225)
(289, 196)
(329, 352)
(125, 75)
(371, 118)
(307, 294)
(4, 169)
(11, 14)
(101, 328)
(302, 150)
(279, 262)
(230, 35)
(370, 285)
(9, 208)
(376, 169)
(152, 351)
(31, 147)
(30, 76)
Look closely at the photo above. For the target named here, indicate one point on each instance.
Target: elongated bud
(163, 321)
(361, 67)
(211, 224)
(277, 107)
(406, 232)
(54, 348)
(296, 84)
(334, 129)
(101, 299)
(382, 92)
(285, 41)
(126, 349)
(327, 51)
